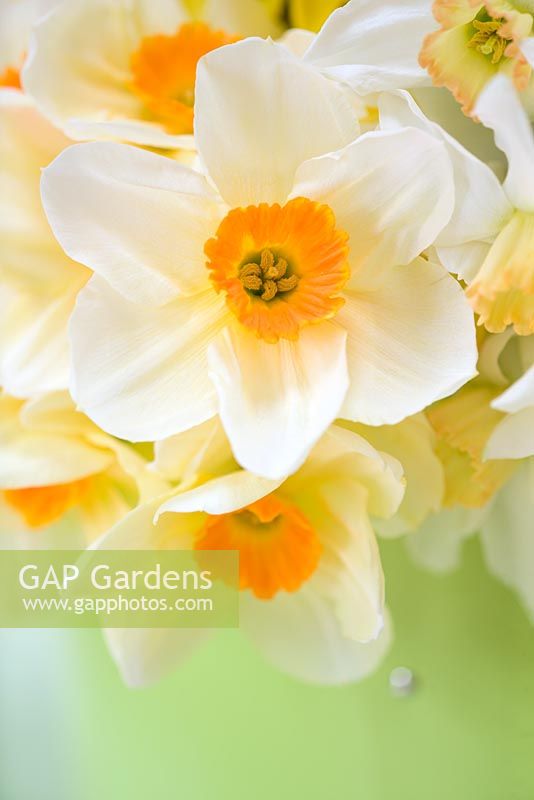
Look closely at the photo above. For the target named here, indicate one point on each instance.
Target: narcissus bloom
(56, 466)
(310, 575)
(282, 292)
(489, 240)
(488, 461)
(39, 283)
(125, 69)
(478, 40)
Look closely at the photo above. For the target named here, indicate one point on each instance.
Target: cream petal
(29, 458)
(519, 396)
(297, 40)
(34, 352)
(203, 449)
(409, 343)
(275, 400)
(299, 634)
(259, 113)
(221, 495)
(465, 260)
(374, 46)
(138, 219)
(438, 543)
(391, 191)
(142, 373)
(412, 442)
(135, 131)
(500, 109)
(481, 206)
(146, 655)
(78, 66)
(513, 437)
(349, 574)
(507, 541)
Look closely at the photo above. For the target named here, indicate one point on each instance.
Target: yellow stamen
(267, 278)
(488, 39)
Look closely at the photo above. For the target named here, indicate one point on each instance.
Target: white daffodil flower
(125, 69)
(282, 291)
(490, 237)
(39, 283)
(476, 42)
(61, 476)
(310, 576)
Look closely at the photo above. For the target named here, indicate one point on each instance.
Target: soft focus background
(227, 726)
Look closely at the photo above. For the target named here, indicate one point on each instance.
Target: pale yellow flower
(125, 69)
(60, 476)
(312, 593)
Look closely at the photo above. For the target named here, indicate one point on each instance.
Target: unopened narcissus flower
(282, 291)
(39, 282)
(476, 41)
(60, 476)
(125, 69)
(311, 582)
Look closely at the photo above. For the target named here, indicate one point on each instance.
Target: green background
(227, 726)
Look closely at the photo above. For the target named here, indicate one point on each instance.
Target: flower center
(278, 548)
(281, 267)
(164, 71)
(43, 505)
(268, 278)
(10, 78)
(488, 38)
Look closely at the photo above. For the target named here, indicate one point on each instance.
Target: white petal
(221, 495)
(259, 113)
(513, 437)
(29, 458)
(527, 48)
(297, 40)
(300, 635)
(146, 655)
(203, 449)
(138, 219)
(79, 62)
(409, 343)
(275, 400)
(374, 46)
(507, 540)
(481, 206)
(349, 574)
(392, 192)
(465, 260)
(519, 396)
(437, 545)
(499, 108)
(34, 353)
(135, 131)
(412, 442)
(141, 373)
